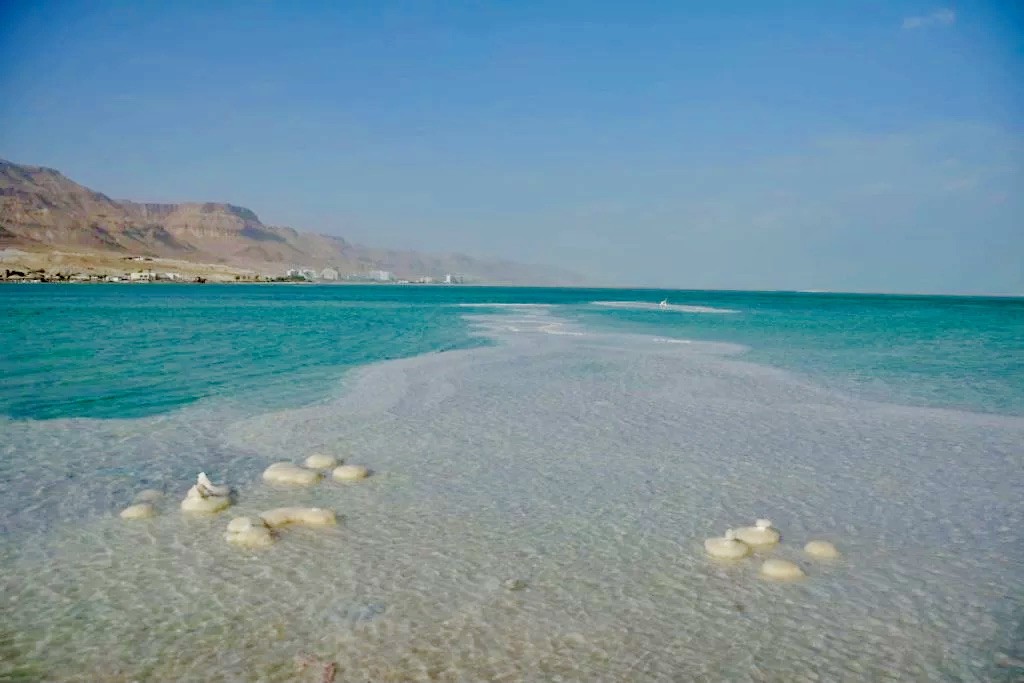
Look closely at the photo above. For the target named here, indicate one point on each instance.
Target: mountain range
(41, 209)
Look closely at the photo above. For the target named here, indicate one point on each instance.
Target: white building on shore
(304, 273)
(329, 274)
(170, 277)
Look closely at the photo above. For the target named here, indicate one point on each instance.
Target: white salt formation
(760, 535)
(727, 547)
(781, 570)
(138, 511)
(244, 531)
(822, 550)
(148, 496)
(319, 461)
(197, 501)
(290, 473)
(295, 515)
(205, 496)
(350, 473)
(210, 488)
(239, 524)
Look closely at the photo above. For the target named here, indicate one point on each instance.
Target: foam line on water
(649, 306)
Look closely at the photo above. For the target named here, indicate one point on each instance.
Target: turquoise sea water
(128, 351)
(957, 352)
(108, 352)
(540, 493)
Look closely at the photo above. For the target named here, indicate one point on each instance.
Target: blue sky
(790, 145)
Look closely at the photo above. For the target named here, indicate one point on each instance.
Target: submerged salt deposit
(320, 461)
(726, 547)
(822, 550)
(350, 473)
(760, 535)
(585, 467)
(290, 474)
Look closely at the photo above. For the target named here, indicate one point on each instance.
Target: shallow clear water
(554, 446)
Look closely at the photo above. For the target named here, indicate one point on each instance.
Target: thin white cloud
(940, 17)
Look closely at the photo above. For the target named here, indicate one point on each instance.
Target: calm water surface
(545, 474)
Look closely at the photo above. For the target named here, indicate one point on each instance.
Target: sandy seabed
(537, 513)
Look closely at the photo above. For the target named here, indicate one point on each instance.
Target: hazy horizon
(857, 148)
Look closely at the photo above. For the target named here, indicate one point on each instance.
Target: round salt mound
(240, 524)
(319, 461)
(761, 534)
(290, 473)
(245, 532)
(822, 550)
(208, 505)
(727, 547)
(138, 511)
(781, 570)
(350, 473)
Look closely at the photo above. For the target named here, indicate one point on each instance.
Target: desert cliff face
(40, 209)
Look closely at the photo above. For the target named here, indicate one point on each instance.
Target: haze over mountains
(40, 209)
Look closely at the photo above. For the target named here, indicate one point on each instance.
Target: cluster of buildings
(136, 276)
(146, 273)
(332, 275)
(307, 273)
(151, 276)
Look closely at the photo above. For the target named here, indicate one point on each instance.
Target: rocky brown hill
(41, 209)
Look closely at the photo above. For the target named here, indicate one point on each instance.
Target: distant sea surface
(127, 351)
(546, 466)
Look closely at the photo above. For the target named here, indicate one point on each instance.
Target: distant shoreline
(504, 285)
(178, 283)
